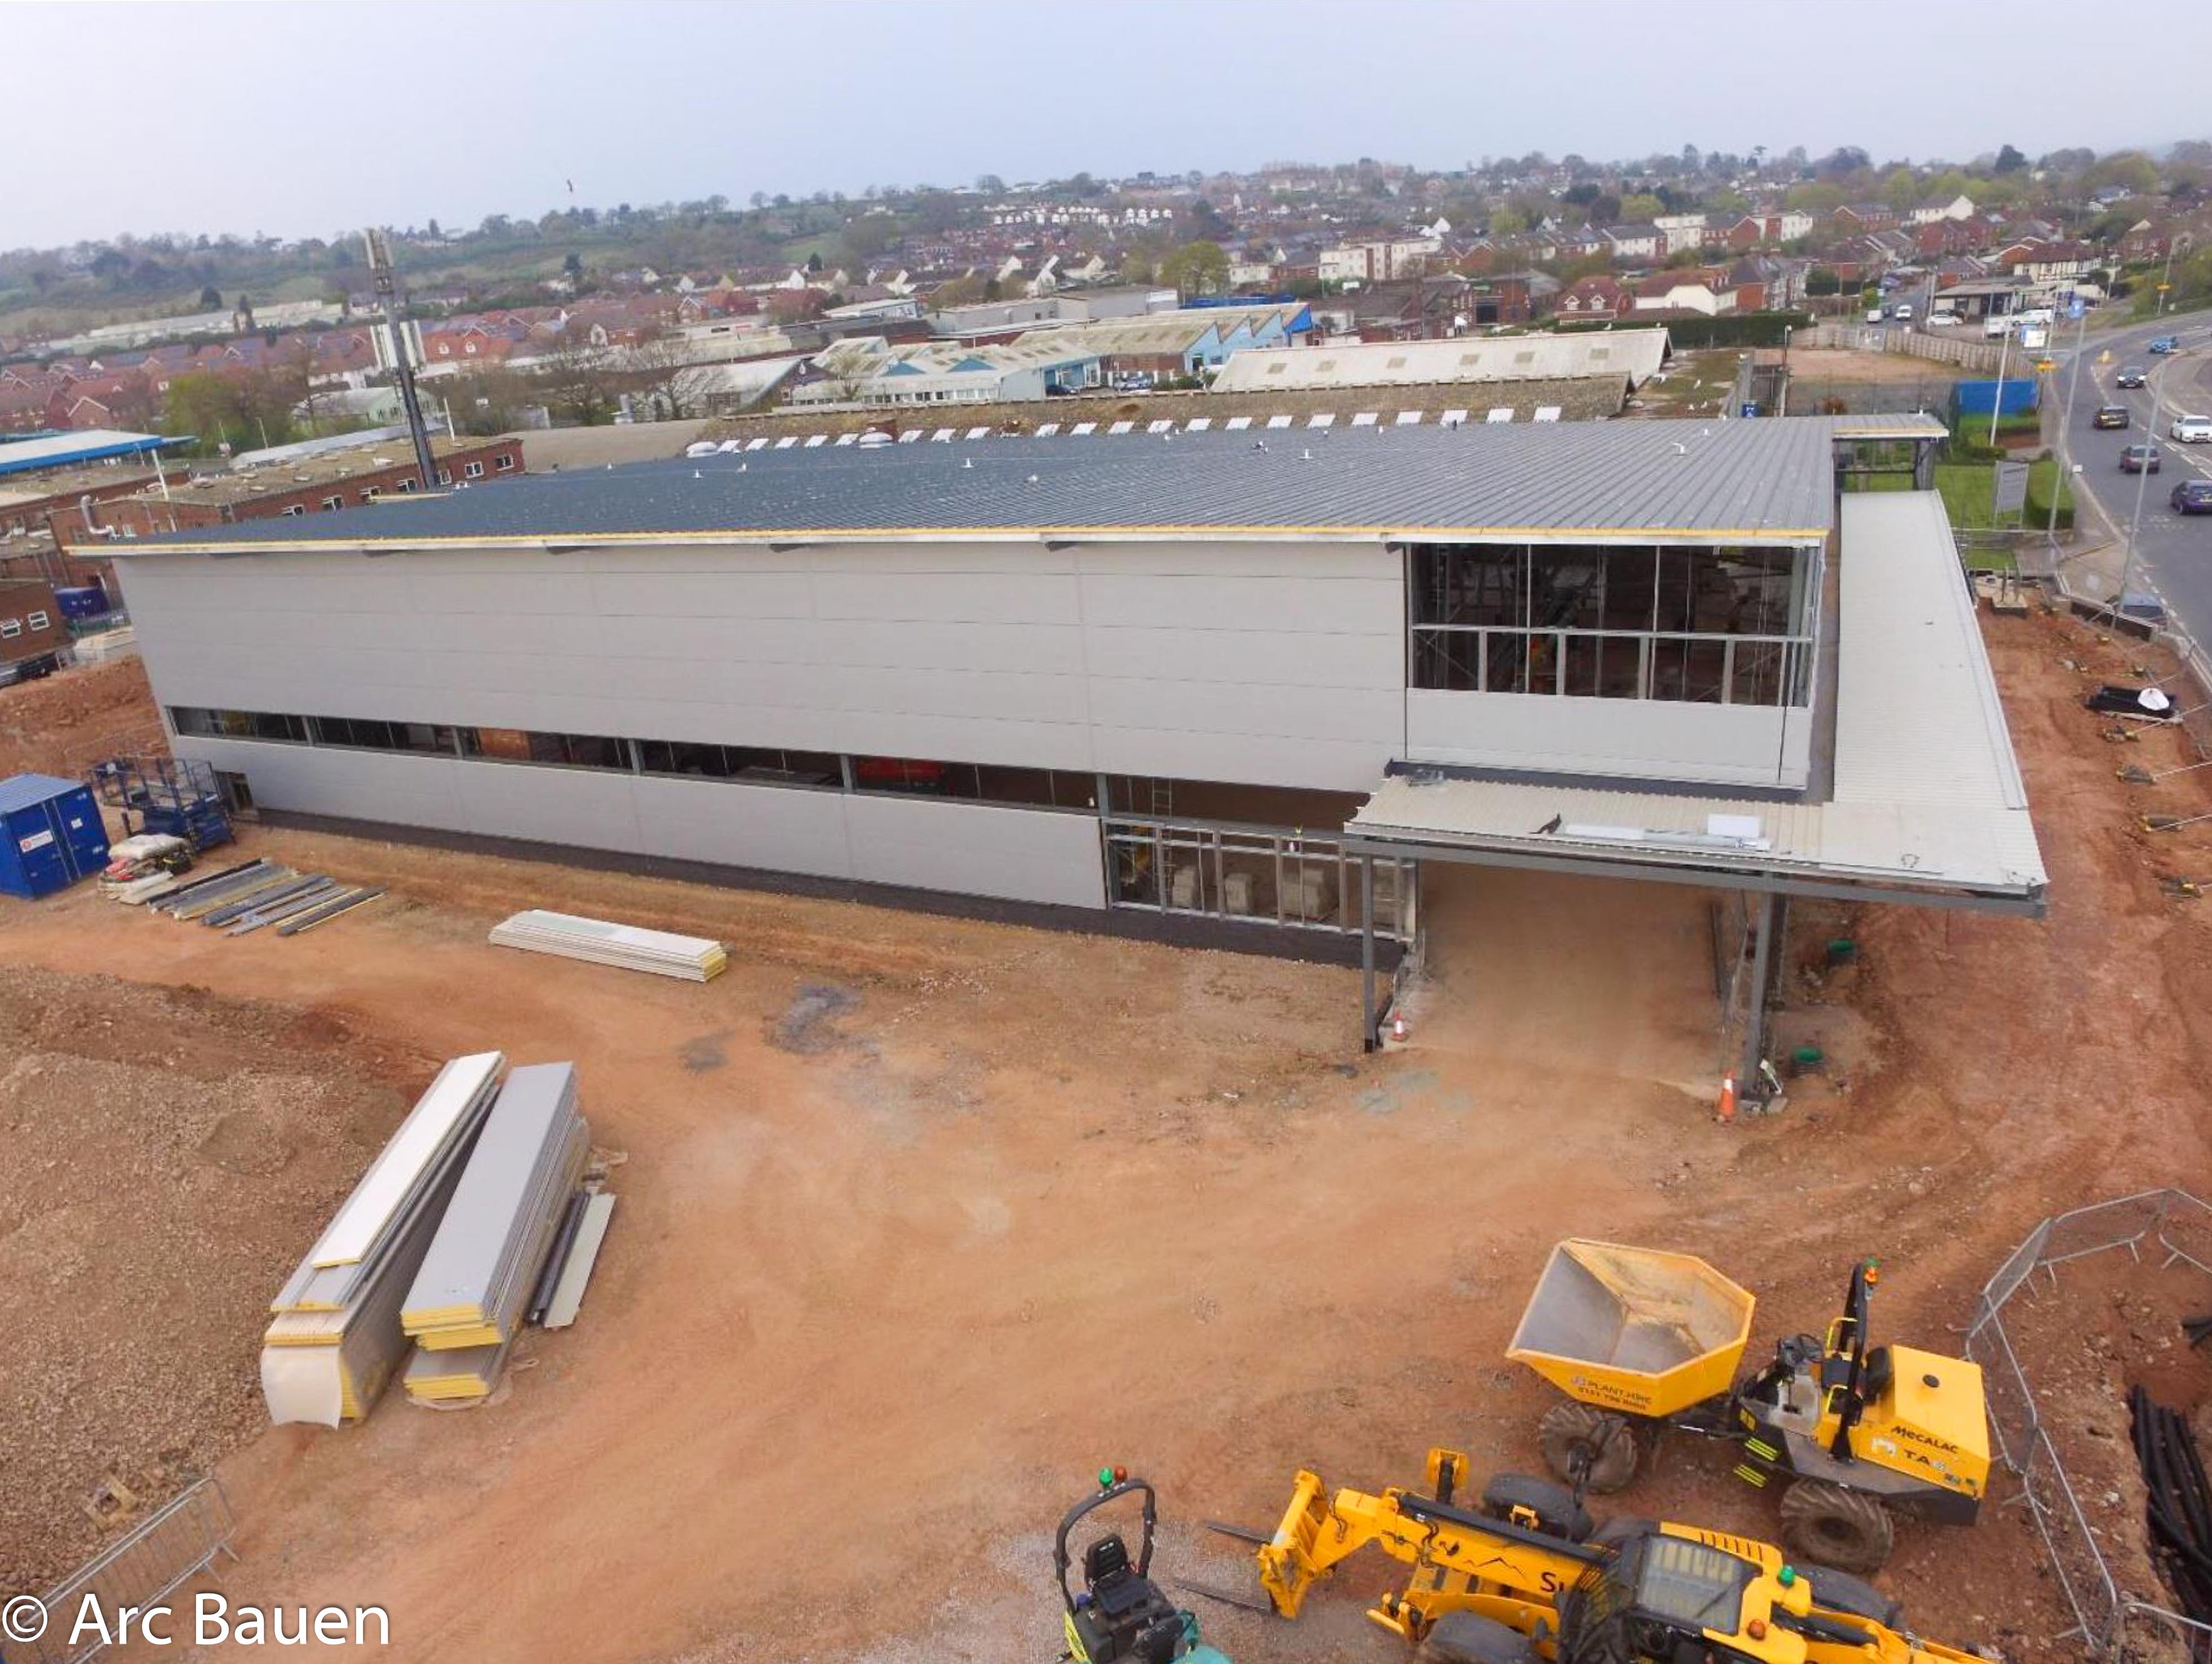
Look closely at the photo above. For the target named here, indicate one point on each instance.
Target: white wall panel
(595, 808)
(1647, 739)
(755, 826)
(975, 849)
(405, 791)
(948, 596)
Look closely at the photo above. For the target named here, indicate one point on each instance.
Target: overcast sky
(303, 117)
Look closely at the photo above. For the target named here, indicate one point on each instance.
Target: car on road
(2191, 429)
(2140, 460)
(2192, 497)
(1941, 321)
(2110, 415)
(1903, 313)
(2164, 344)
(2130, 375)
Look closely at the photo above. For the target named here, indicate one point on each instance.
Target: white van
(1904, 313)
(1874, 314)
(1994, 327)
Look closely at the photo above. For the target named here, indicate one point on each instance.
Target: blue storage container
(83, 601)
(51, 834)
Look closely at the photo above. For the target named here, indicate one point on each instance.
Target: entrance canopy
(1926, 804)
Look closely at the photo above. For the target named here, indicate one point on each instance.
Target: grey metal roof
(25, 791)
(1735, 480)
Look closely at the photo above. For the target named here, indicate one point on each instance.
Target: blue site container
(83, 601)
(51, 834)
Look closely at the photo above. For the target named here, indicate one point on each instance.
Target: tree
(1196, 268)
(1822, 279)
(1505, 222)
(1640, 206)
(577, 376)
(571, 267)
(210, 298)
(2010, 161)
(1206, 222)
(110, 264)
(758, 199)
(990, 184)
(1843, 159)
(1901, 189)
(814, 261)
(2127, 170)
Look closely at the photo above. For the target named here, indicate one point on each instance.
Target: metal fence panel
(175, 1542)
(2157, 1228)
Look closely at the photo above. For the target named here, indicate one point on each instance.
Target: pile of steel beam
(2180, 1503)
(335, 1338)
(472, 1296)
(693, 958)
(241, 900)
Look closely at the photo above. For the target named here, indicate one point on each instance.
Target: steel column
(1765, 916)
(1367, 953)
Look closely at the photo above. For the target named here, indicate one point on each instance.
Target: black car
(2192, 497)
(2132, 376)
(2110, 415)
(2141, 459)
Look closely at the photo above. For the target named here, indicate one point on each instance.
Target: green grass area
(1969, 489)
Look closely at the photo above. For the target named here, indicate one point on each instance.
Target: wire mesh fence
(2156, 1229)
(177, 1540)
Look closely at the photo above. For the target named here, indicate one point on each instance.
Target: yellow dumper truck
(1641, 1341)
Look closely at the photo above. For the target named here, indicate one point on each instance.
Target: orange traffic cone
(1398, 1030)
(1728, 1098)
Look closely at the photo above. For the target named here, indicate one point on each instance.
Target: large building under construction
(1255, 680)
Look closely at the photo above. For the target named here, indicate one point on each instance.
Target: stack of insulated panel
(468, 1301)
(335, 1338)
(694, 958)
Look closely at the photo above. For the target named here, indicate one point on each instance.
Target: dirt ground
(65, 723)
(925, 1219)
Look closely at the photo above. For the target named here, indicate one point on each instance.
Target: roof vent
(1033, 479)
(967, 462)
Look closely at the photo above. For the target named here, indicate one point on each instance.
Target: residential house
(1636, 242)
(2142, 242)
(1960, 207)
(1864, 216)
(1596, 296)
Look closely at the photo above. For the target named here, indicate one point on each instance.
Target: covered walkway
(1927, 806)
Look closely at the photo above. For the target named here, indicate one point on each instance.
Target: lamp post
(2065, 416)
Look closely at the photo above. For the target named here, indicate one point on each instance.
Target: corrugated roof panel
(1767, 480)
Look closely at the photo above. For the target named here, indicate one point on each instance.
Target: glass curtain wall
(1709, 625)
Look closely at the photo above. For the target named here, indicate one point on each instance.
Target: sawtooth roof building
(1245, 684)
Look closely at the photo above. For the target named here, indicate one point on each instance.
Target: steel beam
(2029, 904)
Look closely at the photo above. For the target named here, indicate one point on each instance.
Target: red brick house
(1598, 296)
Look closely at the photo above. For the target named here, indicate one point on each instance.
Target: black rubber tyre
(1462, 1637)
(1589, 1446)
(1554, 1506)
(1825, 1525)
(1621, 1528)
(1838, 1591)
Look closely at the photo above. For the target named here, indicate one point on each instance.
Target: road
(2174, 552)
